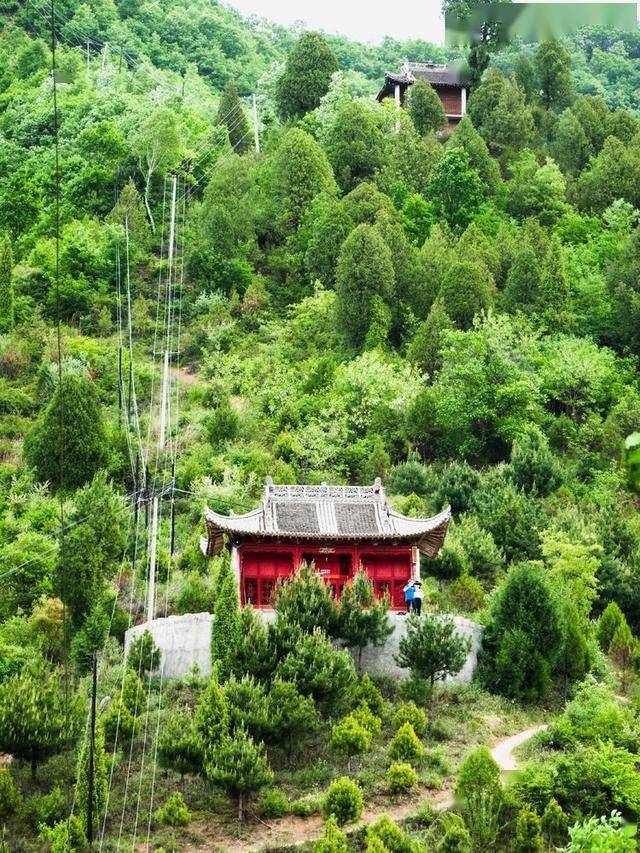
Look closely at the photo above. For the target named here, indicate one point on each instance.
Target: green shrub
(405, 744)
(410, 713)
(194, 595)
(67, 836)
(344, 800)
(401, 778)
(604, 834)
(455, 840)
(306, 806)
(479, 774)
(349, 737)
(9, 795)
(612, 617)
(554, 824)
(143, 655)
(368, 720)
(333, 840)
(367, 693)
(466, 593)
(273, 803)
(46, 809)
(528, 837)
(174, 812)
(389, 833)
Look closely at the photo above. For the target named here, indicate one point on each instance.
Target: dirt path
(502, 752)
(184, 376)
(296, 830)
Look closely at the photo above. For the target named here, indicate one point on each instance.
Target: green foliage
(7, 312)
(226, 619)
(231, 115)
(478, 774)
(366, 693)
(410, 713)
(425, 108)
(333, 840)
(554, 824)
(180, 745)
(239, 766)
(306, 76)
(174, 812)
(254, 653)
(365, 271)
(553, 67)
(143, 656)
(35, 719)
(212, 715)
(354, 144)
(273, 804)
(343, 800)
(456, 189)
(67, 836)
(467, 290)
(246, 701)
(10, 797)
(304, 600)
(301, 172)
(455, 840)
(405, 744)
(362, 618)
(432, 649)
(100, 781)
(612, 617)
(349, 737)
(401, 778)
(319, 671)
(600, 834)
(535, 468)
(528, 837)
(71, 428)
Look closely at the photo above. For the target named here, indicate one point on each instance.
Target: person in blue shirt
(409, 591)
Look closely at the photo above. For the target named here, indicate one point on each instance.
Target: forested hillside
(366, 296)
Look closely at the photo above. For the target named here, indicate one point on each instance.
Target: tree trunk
(240, 811)
(34, 766)
(147, 188)
(432, 696)
(359, 664)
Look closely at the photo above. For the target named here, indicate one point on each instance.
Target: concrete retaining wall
(186, 640)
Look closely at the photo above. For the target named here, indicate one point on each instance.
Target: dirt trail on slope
(295, 830)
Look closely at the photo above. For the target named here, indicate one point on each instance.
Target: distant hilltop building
(445, 79)
(338, 529)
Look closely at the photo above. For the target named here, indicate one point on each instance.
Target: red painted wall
(261, 565)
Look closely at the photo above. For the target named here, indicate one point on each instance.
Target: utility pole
(256, 133)
(164, 402)
(92, 746)
(105, 53)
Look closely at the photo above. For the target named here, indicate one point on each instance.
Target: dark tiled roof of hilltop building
(327, 513)
(436, 75)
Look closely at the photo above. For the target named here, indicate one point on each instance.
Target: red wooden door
(389, 574)
(259, 574)
(335, 569)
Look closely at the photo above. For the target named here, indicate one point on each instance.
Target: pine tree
(100, 781)
(231, 115)
(306, 76)
(304, 600)
(226, 620)
(68, 442)
(365, 269)
(467, 290)
(180, 745)
(455, 189)
(528, 838)
(554, 295)
(239, 766)
(425, 108)
(293, 717)
(363, 619)
(254, 654)
(35, 719)
(212, 715)
(333, 839)
(7, 318)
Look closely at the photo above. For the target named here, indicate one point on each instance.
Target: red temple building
(445, 79)
(339, 529)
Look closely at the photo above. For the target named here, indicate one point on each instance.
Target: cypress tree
(6, 286)
(523, 282)
(226, 620)
(301, 172)
(466, 136)
(100, 781)
(611, 618)
(425, 108)
(554, 295)
(306, 76)
(231, 115)
(365, 270)
(67, 444)
(212, 715)
(425, 349)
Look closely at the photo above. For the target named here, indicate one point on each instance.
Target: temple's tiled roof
(328, 512)
(436, 75)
